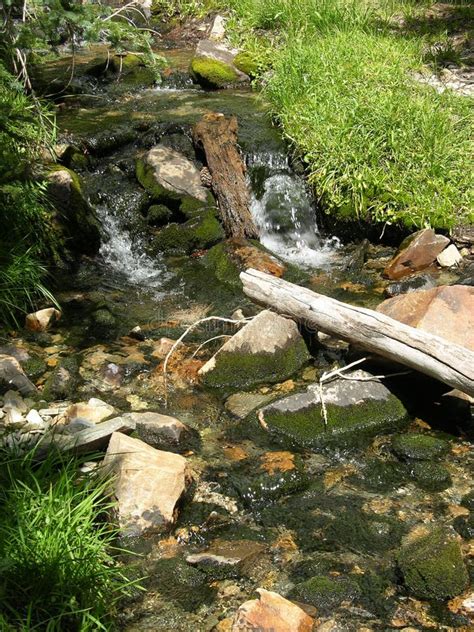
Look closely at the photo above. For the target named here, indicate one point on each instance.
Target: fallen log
(217, 136)
(417, 349)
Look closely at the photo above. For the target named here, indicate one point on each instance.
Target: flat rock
(234, 555)
(13, 376)
(159, 431)
(42, 319)
(240, 405)
(92, 439)
(417, 252)
(356, 408)
(147, 484)
(164, 172)
(268, 349)
(446, 311)
(271, 612)
(94, 411)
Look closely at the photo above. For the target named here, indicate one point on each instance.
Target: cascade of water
(126, 255)
(284, 212)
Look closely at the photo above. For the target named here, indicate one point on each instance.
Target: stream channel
(337, 514)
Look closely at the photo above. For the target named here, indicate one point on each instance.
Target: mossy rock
(326, 593)
(384, 476)
(433, 567)
(181, 583)
(355, 412)
(195, 234)
(468, 501)
(366, 533)
(247, 64)
(76, 219)
(158, 215)
(63, 381)
(219, 260)
(431, 477)
(34, 367)
(419, 447)
(213, 73)
(103, 324)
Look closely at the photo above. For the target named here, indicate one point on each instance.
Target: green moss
(235, 371)
(419, 446)
(181, 583)
(326, 593)
(346, 425)
(468, 501)
(247, 64)
(431, 477)
(212, 72)
(219, 260)
(353, 529)
(63, 381)
(190, 207)
(34, 367)
(382, 476)
(432, 566)
(158, 215)
(197, 233)
(146, 178)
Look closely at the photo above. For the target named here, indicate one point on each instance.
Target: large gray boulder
(357, 408)
(268, 349)
(146, 484)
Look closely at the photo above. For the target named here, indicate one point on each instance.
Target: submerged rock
(213, 66)
(446, 311)
(267, 349)
(431, 477)
(417, 252)
(198, 233)
(271, 612)
(94, 411)
(432, 566)
(419, 446)
(326, 593)
(228, 558)
(410, 284)
(355, 410)
(147, 484)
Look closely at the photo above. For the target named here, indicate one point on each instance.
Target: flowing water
(339, 514)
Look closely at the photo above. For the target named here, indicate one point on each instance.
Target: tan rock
(446, 311)
(449, 257)
(162, 347)
(158, 430)
(94, 411)
(235, 554)
(280, 461)
(42, 319)
(416, 253)
(147, 484)
(271, 612)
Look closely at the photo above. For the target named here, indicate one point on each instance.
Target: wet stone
(431, 477)
(271, 612)
(419, 447)
(160, 431)
(326, 593)
(228, 558)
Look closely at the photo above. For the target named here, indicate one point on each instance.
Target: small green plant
(57, 571)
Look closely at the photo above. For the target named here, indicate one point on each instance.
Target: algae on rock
(432, 566)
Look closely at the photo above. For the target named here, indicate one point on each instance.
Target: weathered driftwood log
(217, 135)
(417, 349)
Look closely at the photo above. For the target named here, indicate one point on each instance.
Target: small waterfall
(126, 256)
(285, 215)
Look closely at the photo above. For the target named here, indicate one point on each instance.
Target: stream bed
(337, 515)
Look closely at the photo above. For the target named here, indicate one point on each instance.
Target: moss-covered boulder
(213, 66)
(246, 63)
(325, 592)
(432, 477)
(432, 566)
(158, 215)
(169, 176)
(356, 409)
(268, 349)
(75, 217)
(201, 232)
(420, 447)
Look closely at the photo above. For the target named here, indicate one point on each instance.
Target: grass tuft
(56, 568)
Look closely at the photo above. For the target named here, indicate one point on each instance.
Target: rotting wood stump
(216, 134)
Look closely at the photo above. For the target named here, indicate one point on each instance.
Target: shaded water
(337, 514)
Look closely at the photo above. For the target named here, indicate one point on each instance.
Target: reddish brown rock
(271, 613)
(253, 257)
(417, 252)
(446, 311)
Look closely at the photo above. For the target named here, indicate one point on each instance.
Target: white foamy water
(287, 223)
(126, 256)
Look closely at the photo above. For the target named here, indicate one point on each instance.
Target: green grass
(380, 146)
(56, 569)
